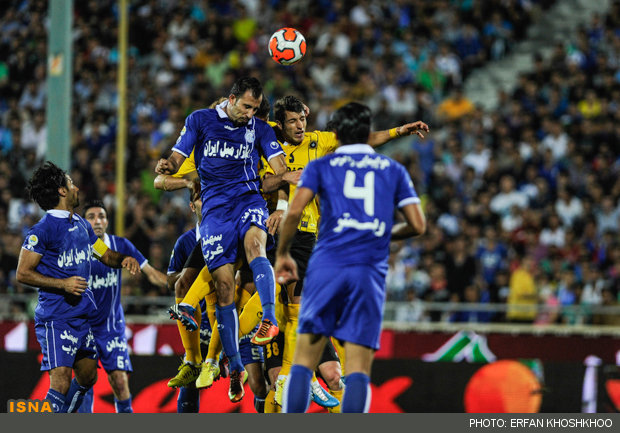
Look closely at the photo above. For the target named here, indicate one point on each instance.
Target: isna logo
(29, 406)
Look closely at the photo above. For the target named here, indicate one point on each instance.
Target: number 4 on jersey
(366, 192)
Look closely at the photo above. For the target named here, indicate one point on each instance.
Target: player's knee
(87, 378)
(181, 287)
(118, 382)
(331, 376)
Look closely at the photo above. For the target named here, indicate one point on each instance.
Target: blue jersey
(182, 249)
(358, 190)
(65, 246)
(105, 282)
(226, 155)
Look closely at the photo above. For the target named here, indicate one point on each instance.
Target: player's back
(358, 190)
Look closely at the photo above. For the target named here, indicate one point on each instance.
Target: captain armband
(99, 248)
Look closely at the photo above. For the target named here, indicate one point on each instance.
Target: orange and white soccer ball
(287, 46)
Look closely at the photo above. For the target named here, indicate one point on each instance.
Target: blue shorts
(222, 230)
(64, 341)
(345, 302)
(112, 347)
(250, 353)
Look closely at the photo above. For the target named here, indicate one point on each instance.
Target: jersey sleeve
(310, 177)
(126, 247)
(327, 142)
(267, 141)
(405, 192)
(36, 240)
(187, 138)
(188, 166)
(176, 259)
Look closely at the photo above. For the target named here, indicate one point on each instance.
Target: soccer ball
(287, 46)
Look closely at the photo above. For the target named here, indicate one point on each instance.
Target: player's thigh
(308, 350)
(254, 242)
(358, 358)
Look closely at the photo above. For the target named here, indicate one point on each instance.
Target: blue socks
(123, 406)
(56, 399)
(75, 396)
(356, 398)
(259, 404)
(188, 400)
(228, 325)
(265, 282)
(296, 393)
(87, 403)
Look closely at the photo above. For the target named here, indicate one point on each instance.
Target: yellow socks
(338, 396)
(191, 340)
(251, 314)
(203, 284)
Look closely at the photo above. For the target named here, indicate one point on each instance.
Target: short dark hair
(351, 123)
(263, 109)
(93, 203)
(288, 103)
(44, 183)
(244, 84)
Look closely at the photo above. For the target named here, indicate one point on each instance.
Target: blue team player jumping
(108, 321)
(344, 288)
(57, 258)
(228, 142)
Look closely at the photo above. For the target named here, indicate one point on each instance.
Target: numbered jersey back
(358, 190)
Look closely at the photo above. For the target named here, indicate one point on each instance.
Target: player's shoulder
(203, 115)
(186, 237)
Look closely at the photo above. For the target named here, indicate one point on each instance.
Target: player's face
(196, 207)
(98, 220)
(294, 127)
(240, 110)
(73, 200)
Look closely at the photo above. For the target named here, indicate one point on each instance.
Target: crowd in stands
(522, 202)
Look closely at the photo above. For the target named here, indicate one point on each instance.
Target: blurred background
(519, 177)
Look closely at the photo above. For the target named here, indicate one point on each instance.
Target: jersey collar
(220, 109)
(197, 231)
(222, 113)
(106, 240)
(355, 148)
(59, 213)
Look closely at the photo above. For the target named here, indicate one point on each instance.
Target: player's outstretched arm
(377, 138)
(166, 182)
(286, 268)
(27, 274)
(170, 165)
(414, 225)
(154, 276)
(114, 259)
